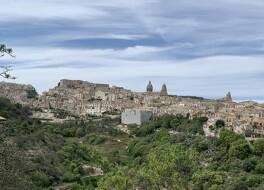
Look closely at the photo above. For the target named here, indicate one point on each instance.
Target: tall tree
(6, 69)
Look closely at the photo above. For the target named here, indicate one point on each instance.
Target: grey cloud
(219, 43)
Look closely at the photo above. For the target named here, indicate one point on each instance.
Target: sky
(201, 48)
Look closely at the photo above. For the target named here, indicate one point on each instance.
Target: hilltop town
(76, 98)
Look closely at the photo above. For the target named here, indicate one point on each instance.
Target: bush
(69, 177)
(80, 132)
(259, 147)
(249, 164)
(175, 123)
(95, 139)
(69, 132)
(77, 186)
(260, 168)
(145, 130)
(40, 179)
(200, 144)
(254, 180)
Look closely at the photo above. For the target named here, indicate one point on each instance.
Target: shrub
(260, 168)
(95, 139)
(69, 132)
(249, 164)
(259, 147)
(40, 179)
(69, 177)
(80, 132)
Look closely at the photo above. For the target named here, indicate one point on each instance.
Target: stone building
(135, 116)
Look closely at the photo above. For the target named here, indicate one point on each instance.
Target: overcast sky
(203, 48)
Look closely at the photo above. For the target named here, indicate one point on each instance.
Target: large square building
(135, 116)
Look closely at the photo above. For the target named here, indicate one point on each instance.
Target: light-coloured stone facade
(84, 98)
(135, 116)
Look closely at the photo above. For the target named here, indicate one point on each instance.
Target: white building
(135, 116)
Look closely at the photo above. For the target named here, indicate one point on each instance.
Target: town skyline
(154, 89)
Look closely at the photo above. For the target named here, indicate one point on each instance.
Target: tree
(259, 147)
(168, 167)
(206, 179)
(6, 69)
(240, 149)
(122, 179)
(4, 50)
(220, 124)
(227, 137)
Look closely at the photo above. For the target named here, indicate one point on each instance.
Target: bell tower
(164, 91)
(149, 87)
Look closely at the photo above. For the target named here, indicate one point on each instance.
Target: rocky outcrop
(18, 93)
(83, 98)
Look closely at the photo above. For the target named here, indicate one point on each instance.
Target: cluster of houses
(83, 98)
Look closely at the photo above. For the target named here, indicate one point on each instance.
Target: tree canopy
(4, 50)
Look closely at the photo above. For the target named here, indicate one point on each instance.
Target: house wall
(134, 116)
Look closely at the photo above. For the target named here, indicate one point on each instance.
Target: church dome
(149, 87)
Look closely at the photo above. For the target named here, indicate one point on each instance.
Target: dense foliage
(169, 152)
(13, 111)
(172, 153)
(41, 155)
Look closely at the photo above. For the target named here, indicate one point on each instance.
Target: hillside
(72, 99)
(169, 152)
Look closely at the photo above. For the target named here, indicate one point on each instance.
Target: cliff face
(18, 93)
